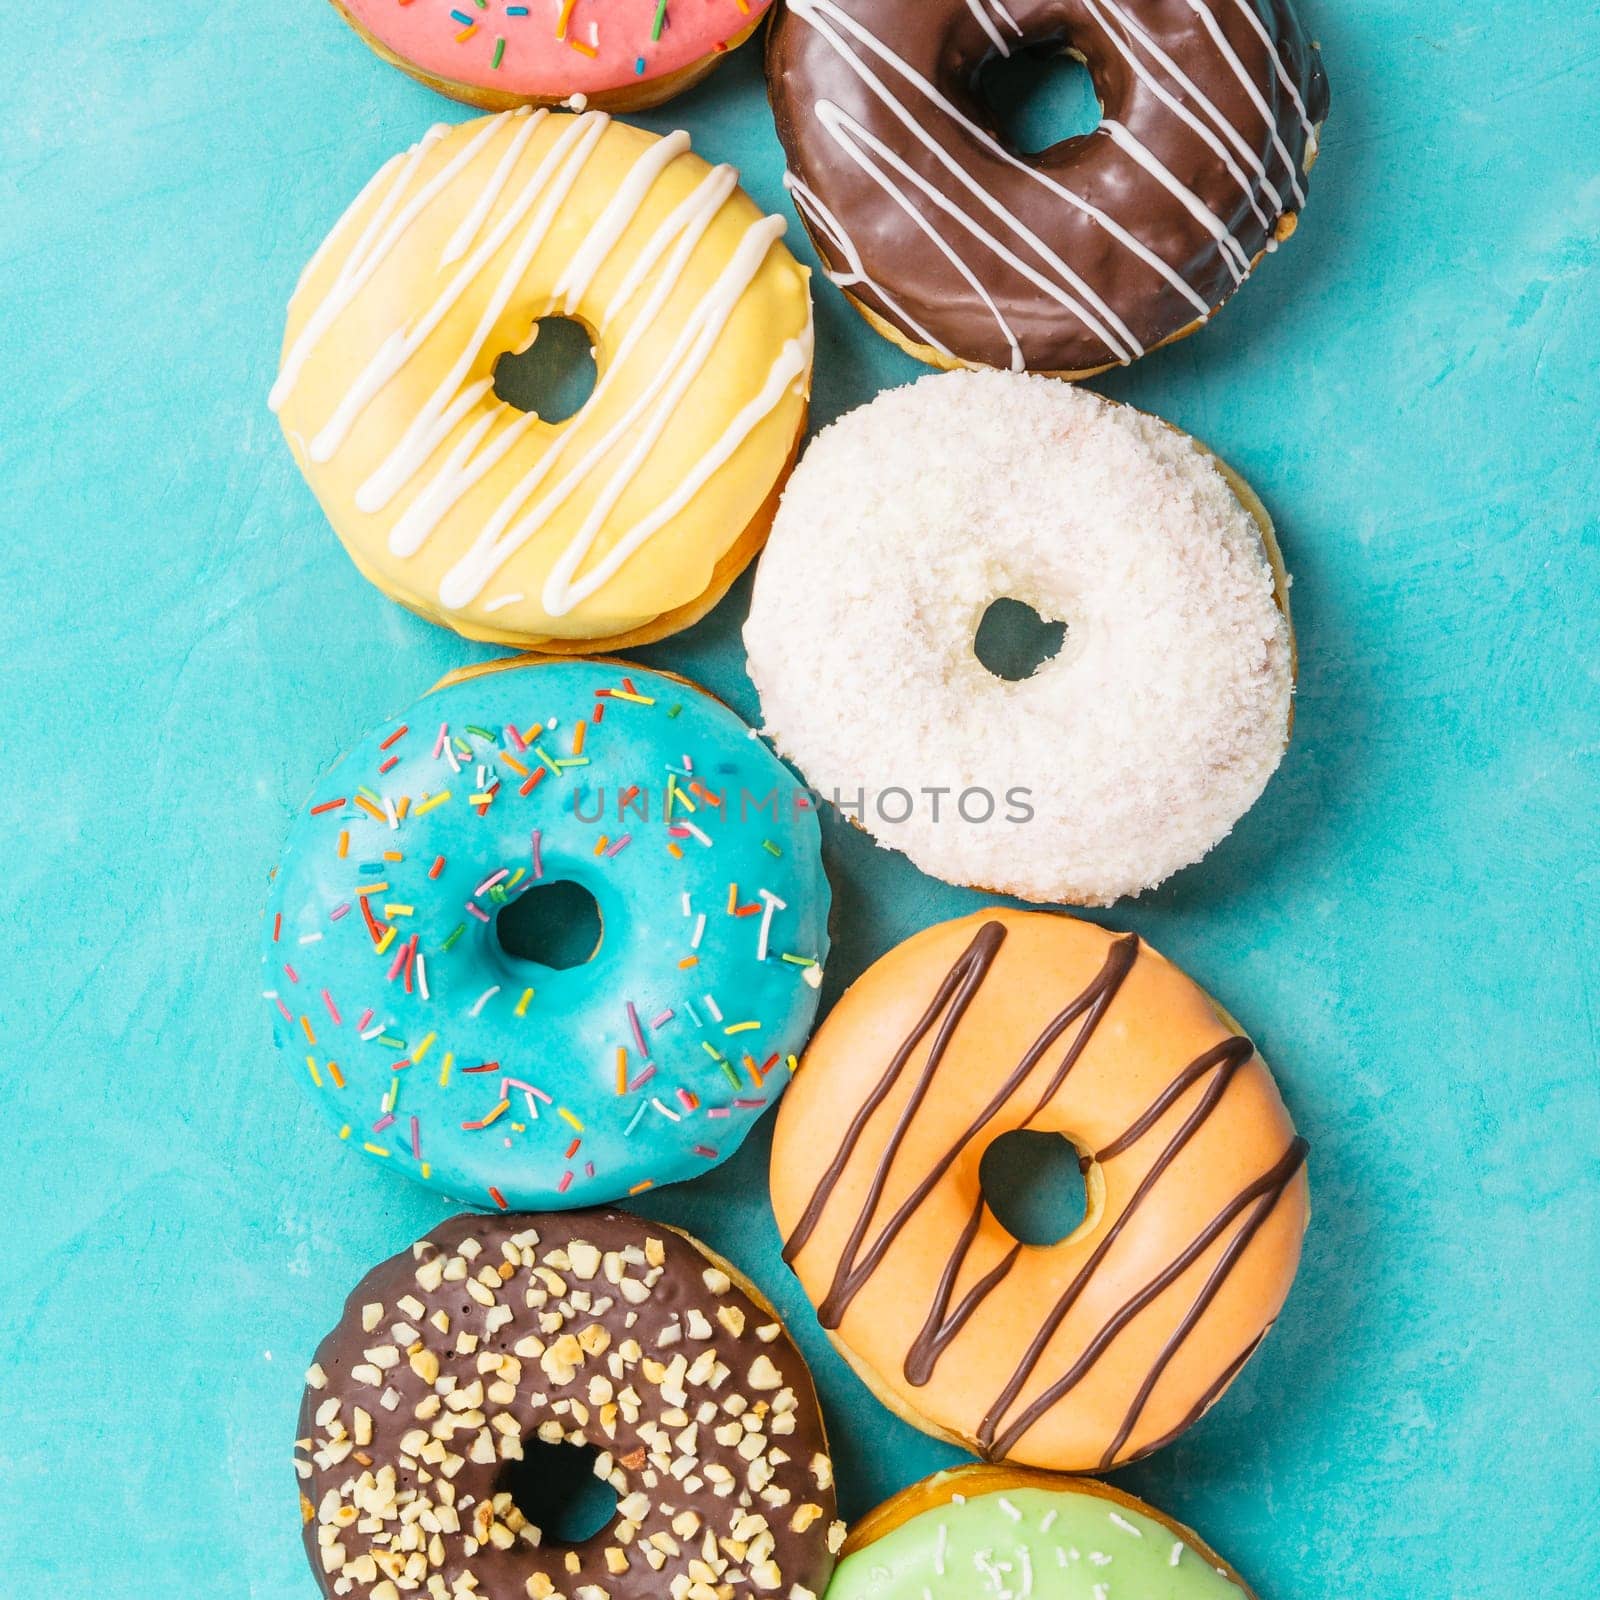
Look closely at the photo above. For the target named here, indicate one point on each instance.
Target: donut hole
(1013, 641)
(1039, 97)
(555, 1488)
(553, 374)
(556, 925)
(1035, 1185)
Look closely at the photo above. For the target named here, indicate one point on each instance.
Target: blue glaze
(549, 1125)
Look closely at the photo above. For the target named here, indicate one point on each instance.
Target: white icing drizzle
(848, 134)
(1307, 127)
(497, 542)
(366, 256)
(821, 218)
(562, 591)
(1242, 73)
(433, 424)
(1206, 121)
(1125, 346)
(825, 17)
(336, 232)
(655, 272)
(461, 471)
(614, 221)
(407, 339)
(471, 225)
(1232, 251)
(1006, 17)
(1134, 31)
(692, 220)
(980, 13)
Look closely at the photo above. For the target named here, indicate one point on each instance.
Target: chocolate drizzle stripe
(1091, 1005)
(938, 1331)
(1209, 1292)
(942, 1325)
(1235, 1051)
(1224, 1069)
(1271, 1184)
(1213, 1393)
(957, 991)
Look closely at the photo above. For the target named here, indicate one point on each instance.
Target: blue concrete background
(1406, 921)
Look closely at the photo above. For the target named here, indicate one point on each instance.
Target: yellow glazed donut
(628, 520)
(1080, 1355)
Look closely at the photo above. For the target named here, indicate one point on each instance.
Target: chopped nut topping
(694, 1450)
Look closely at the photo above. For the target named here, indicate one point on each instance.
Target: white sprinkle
(309, 938)
(1125, 1525)
(388, 811)
(771, 903)
(699, 930)
(483, 1000)
(939, 1549)
(373, 1032)
(1099, 1558)
(1027, 1569)
(685, 822)
(713, 1008)
(422, 975)
(686, 902)
(1177, 1553)
(1009, 1509)
(666, 1111)
(1046, 1521)
(1100, 1591)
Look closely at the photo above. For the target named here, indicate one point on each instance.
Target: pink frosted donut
(617, 55)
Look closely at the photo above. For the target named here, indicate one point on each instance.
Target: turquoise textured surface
(495, 1077)
(1405, 921)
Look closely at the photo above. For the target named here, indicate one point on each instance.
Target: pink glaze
(543, 59)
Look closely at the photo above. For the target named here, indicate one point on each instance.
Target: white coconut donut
(1126, 756)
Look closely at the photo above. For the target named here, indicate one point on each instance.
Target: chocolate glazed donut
(580, 1328)
(1083, 256)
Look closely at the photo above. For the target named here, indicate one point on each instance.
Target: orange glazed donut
(1088, 1353)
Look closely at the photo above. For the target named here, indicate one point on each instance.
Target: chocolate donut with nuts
(590, 1329)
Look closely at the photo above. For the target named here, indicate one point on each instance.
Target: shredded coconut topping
(1135, 749)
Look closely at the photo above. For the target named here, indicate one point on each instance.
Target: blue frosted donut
(495, 1078)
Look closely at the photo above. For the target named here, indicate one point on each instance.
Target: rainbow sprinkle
(398, 925)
